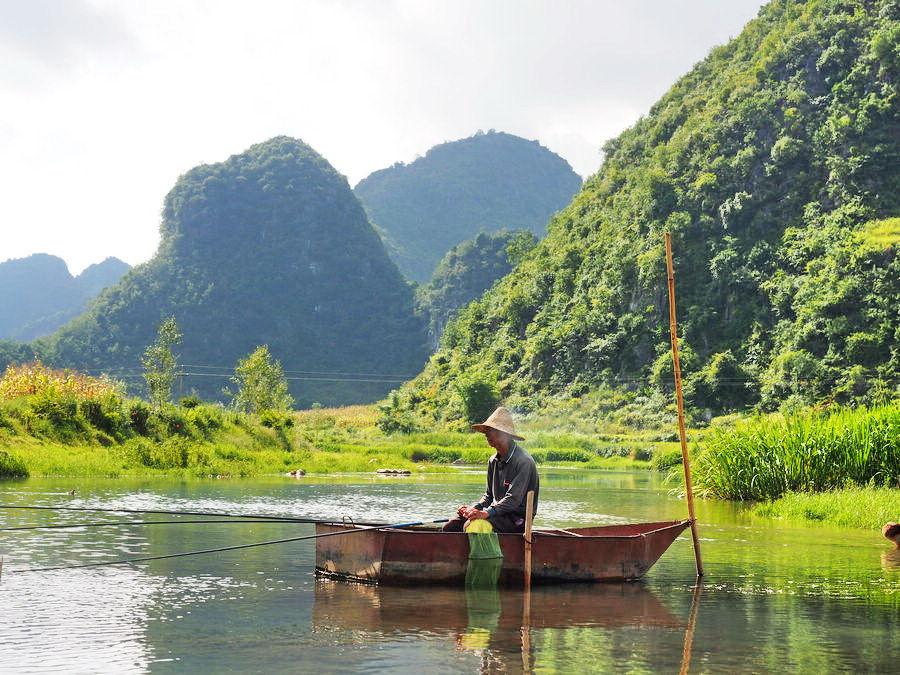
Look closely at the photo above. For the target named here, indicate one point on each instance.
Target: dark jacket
(508, 483)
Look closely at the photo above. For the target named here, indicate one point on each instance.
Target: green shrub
(189, 402)
(435, 455)
(11, 466)
(565, 455)
(60, 409)
(106, 414)
(479, 394)
(205, 418)
(663, 461)
(173, 453)
(394, 417)
(139, 417)
(276, 419)
(173, 421)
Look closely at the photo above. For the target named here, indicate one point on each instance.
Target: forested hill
(774, 163)
(465, 273)
(38, 294)
(269, 247)
(484, 183)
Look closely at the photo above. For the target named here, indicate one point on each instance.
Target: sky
(104, 103)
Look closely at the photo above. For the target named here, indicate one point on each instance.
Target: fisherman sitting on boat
(511, 475)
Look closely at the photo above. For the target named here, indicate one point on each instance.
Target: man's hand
(476, 514)
(461, 511)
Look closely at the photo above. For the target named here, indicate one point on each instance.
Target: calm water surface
(775, 598)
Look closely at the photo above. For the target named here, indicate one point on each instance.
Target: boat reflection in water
(495, 623)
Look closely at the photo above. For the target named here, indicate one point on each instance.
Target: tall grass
(766, 457)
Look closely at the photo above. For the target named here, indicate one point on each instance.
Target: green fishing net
(484, 544)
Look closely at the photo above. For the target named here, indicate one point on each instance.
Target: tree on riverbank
(159, 363)
(261, 385)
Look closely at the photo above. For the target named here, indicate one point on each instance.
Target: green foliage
(765, 457)
(484, 183)
(479, 394)
(773, 163)
(394, 417)
(267, 247)
(159, 363)
(276, 419)
(261, 383)
(139, 417)
(189, 402)
(11, 466)
(467, 271)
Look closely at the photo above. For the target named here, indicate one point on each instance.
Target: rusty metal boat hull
(416, 555)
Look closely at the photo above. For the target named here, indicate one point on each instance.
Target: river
(776, 597)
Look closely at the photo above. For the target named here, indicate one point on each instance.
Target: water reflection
(497, 624)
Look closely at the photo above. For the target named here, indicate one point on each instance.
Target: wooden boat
(420, 554)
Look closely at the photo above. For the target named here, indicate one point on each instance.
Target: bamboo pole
(673, 332)
(529, 516)
(689, 632)
(526, 596)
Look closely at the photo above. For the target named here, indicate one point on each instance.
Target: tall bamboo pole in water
(673, 331)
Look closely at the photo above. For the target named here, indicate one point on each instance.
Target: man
(511, 475)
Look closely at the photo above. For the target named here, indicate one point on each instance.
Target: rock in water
(268, 247)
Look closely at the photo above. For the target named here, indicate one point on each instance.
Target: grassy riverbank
(811, 466)
(866, 508)
(55, 423)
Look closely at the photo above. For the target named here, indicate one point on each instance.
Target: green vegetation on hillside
(465, 273)
(484, 183)
(774, 165)
(268, 247)
(38, 294)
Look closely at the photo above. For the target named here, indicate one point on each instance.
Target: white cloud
(104, 104)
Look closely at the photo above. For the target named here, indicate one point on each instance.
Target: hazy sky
(103, 104)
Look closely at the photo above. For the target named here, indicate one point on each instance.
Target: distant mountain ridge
(39, 294)
(268, 247)
(484, 183)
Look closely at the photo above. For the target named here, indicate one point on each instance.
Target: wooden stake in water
(526, 596)
(673, 331)
(529, 516)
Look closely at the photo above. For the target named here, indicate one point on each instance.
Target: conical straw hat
(500, 419)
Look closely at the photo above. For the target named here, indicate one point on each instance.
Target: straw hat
(500, 419)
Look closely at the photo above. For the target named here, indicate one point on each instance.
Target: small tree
(159, 363)
(261, 383)
(479, 395)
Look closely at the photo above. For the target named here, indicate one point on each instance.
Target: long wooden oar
(131, 561)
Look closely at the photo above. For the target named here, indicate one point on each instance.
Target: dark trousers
(500, 523)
